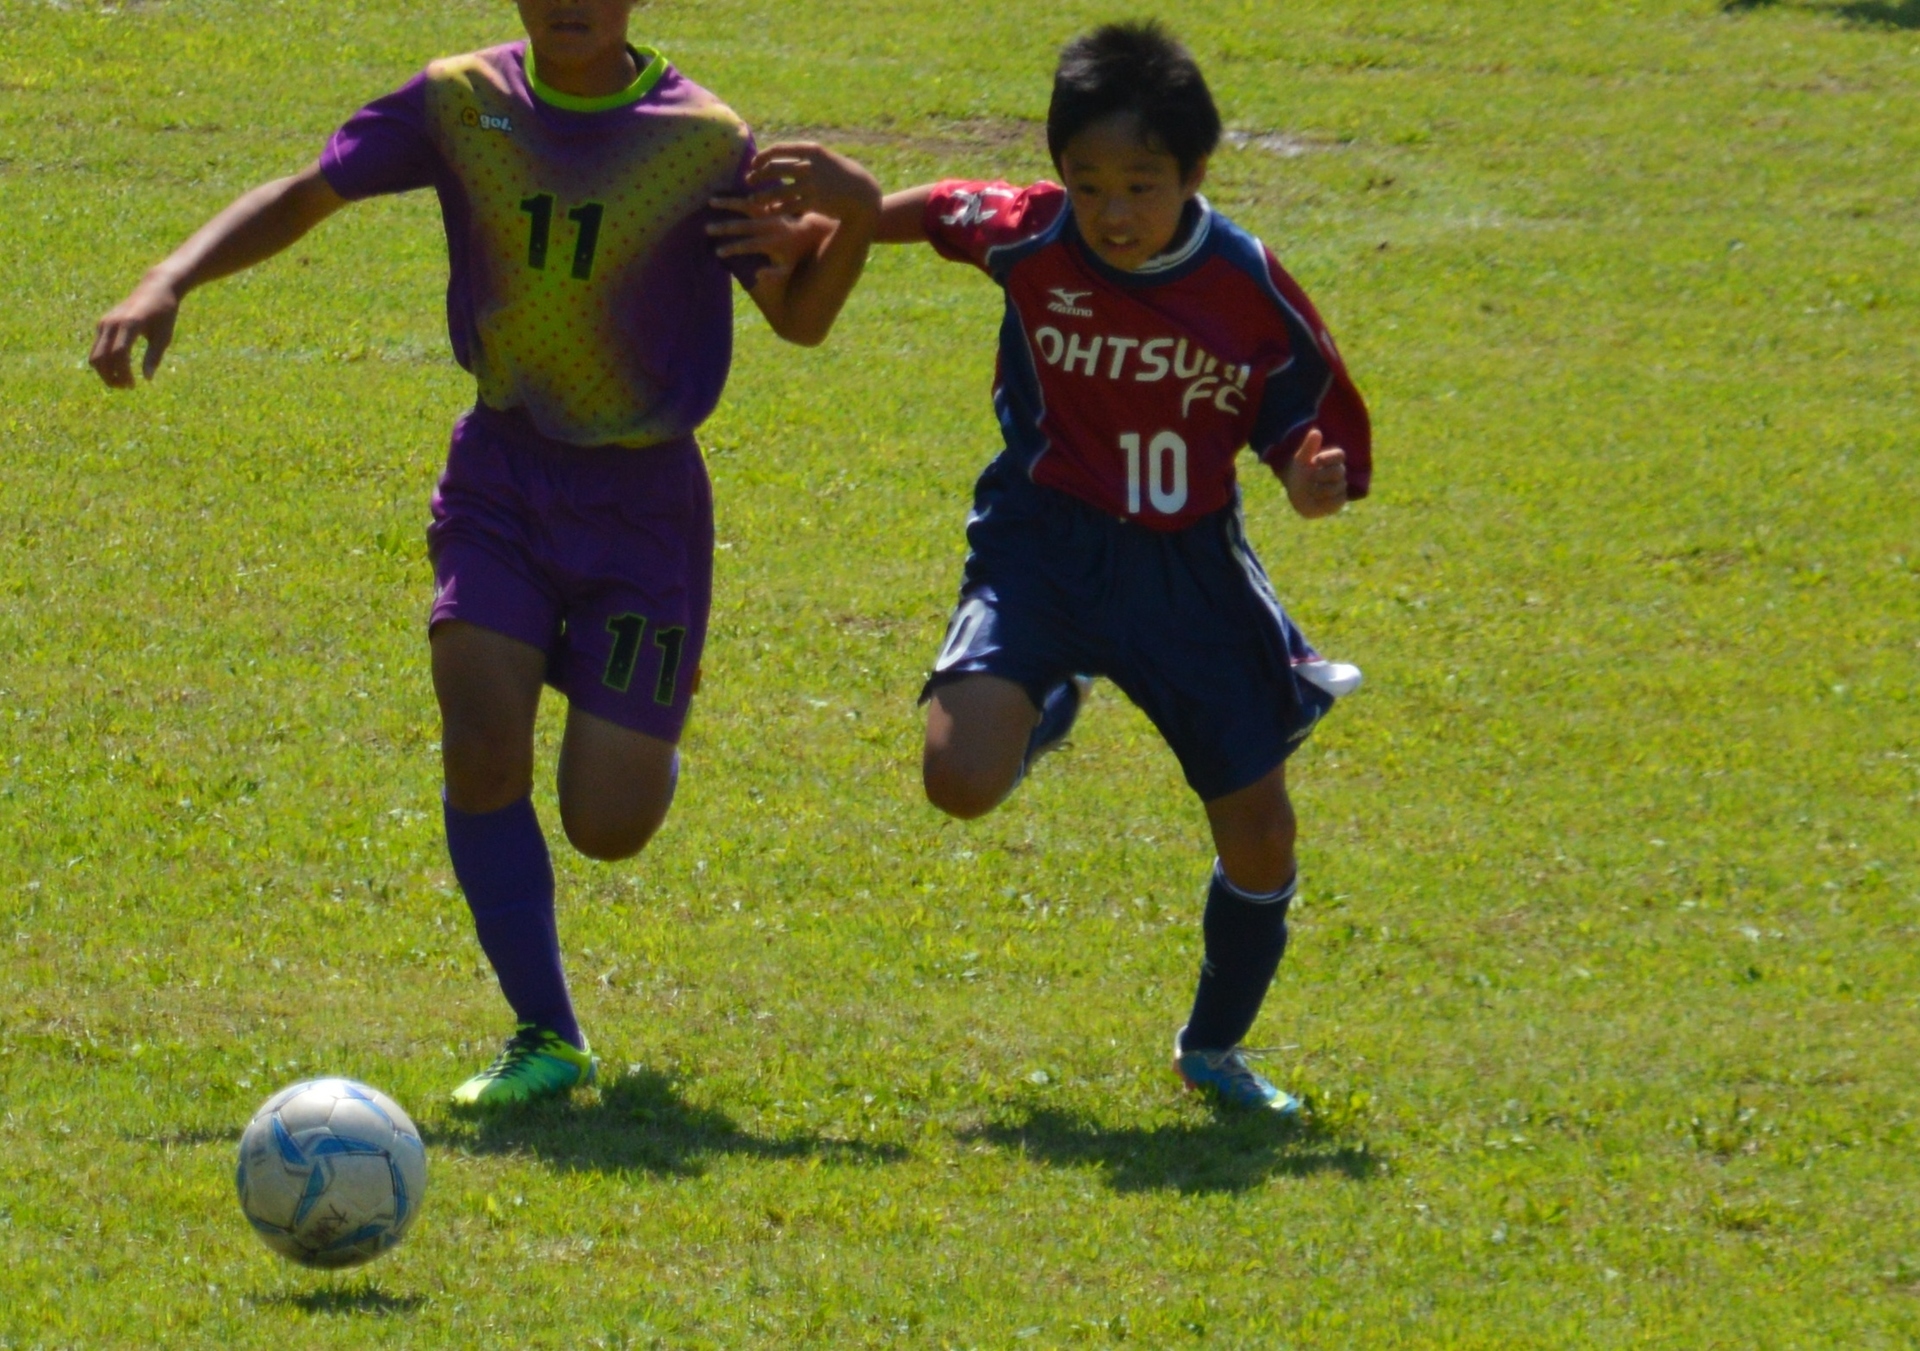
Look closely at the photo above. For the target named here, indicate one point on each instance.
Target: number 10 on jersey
(1163, 469)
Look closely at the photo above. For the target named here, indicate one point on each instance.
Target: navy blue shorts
(1185, 622)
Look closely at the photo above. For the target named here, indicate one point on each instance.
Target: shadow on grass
(1868, 13)
(363, 1297)
(1224, 1154)
(1901, 14)
(641, 1124)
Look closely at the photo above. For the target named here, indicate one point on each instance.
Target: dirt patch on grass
(1285, 144)
(932, 138)
(999, 133)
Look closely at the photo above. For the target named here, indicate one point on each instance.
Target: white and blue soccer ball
(331, 1172)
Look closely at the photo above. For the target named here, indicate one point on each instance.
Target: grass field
(1606, 984)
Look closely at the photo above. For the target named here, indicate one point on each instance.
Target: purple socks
(501, 861)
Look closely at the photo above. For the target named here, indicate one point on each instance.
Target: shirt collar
(648, 64)
(1189, 241)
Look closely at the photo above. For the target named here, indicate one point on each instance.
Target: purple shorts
(601, 557)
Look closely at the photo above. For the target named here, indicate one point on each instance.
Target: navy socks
(1245, 937)
(502, 863)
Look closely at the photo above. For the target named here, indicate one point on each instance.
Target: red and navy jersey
(1134, 391)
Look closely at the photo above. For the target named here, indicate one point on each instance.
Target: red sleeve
(1311, 394)
(965, 221)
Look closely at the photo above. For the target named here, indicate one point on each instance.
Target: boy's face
(575, 32)
(1127, 196)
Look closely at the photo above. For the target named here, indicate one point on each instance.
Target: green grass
(1605, 984)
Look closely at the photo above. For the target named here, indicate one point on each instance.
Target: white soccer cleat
(1337, 678)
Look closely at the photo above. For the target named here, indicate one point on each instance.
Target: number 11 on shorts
(627, 631)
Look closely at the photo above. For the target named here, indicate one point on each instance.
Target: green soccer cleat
(1226, 1077)
(535, 1064)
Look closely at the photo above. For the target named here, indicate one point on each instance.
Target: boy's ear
(1191, 184)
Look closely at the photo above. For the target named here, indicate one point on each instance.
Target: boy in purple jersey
(1147, 340)
(572, 532)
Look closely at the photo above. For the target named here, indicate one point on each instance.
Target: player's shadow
(362, 1297)
(1223, 1154)
(1869, 13)
(1882, 13)
(641, 1124)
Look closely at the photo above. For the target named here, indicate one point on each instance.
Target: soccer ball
(331, 1173)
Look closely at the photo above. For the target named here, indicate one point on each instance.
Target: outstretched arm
(903, 216)
(257, 226)
(813, 213)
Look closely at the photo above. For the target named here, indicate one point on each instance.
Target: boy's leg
(978, 729)
(1213, 660)
(1003, 689)
(1245, 932)
(636, 563)
(616, 785)
(488, 686)
(1253, 833)
(1246, 918)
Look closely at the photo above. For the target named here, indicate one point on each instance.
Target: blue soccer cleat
(1226, 1077)
(1057, 716)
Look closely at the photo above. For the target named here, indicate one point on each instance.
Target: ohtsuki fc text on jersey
(1210, 349)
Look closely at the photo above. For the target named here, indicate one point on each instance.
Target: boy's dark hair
(1137, 68)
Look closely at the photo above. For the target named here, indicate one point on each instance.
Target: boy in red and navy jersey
(1147, 341)
(1135, 390)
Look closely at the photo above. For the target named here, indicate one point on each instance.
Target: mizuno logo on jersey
(1209, 381)
(972, 208)
(1068, 302)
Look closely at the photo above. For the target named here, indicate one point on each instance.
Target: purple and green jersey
(584, 291)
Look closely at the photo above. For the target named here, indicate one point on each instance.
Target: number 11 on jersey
(540, 231)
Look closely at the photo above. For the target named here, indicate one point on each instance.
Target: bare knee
(977, 730)
(1254, 831)
(488, 687)
(484, 770)
(1270, 837)
(965, 792)
(606, 838)
(608, 826)
(1258, 862)
(616, 786)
